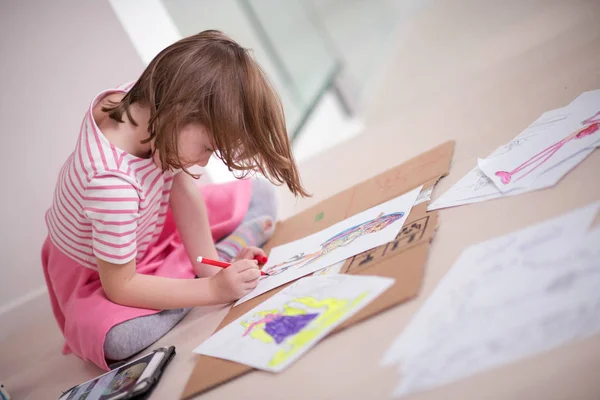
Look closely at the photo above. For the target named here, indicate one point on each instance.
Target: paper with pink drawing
(475, 186)
(521, 167)
(361, 232)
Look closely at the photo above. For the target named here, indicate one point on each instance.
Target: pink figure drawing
(590, 126)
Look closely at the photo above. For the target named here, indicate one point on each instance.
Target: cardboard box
(403, 259)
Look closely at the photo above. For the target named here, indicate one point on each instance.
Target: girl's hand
(235, 281)
(249, 253)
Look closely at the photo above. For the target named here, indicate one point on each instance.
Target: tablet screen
(107, 386)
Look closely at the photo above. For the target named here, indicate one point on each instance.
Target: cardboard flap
(404, 258)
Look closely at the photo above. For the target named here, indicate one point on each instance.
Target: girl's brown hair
(209, 78)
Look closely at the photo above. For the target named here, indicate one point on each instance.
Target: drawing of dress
(341, 239)
(282, 327)
(301, 320)
(590, 126)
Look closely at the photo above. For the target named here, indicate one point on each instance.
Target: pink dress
(114, 206)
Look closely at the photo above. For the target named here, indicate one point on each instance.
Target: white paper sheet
(520, 167)
(361, 232)
(424, 196)
(475, 186)
(505, 299)
(331, 270)
(277, 332)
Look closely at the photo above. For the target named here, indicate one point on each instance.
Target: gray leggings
(130, 337)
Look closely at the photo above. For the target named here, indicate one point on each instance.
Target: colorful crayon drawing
(343, 238)
(590, 126)
(301, 321)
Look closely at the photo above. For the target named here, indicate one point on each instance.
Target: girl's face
(195, 146)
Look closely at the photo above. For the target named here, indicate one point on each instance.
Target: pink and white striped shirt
(107, 203)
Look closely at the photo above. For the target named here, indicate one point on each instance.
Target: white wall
(54, 57)
(154, 24)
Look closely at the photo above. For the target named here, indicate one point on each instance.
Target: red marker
(262, 260)
(222, 264)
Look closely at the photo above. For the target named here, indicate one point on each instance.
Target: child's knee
(264, 199)
(130, 337)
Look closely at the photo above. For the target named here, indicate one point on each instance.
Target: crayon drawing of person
(300, 322)
(341, 239)
(589, 127)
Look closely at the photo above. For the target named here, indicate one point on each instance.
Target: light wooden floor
(475, 71)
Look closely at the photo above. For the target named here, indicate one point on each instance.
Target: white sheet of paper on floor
(520, 167)
(277, 332)
(331, 270)
(503, 300)
(361, 232)
(424, 196)
(475, 186)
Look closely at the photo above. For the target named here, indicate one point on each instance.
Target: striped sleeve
(112, 206)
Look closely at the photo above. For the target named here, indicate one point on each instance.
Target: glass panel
(193, 16)
(361, 32)
(306, 58)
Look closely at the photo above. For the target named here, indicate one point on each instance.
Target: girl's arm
(191, 218)
(123, 285)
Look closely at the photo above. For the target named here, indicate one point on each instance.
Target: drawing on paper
(532, 131)
(333, 269)
(343, 238)
(274, 334)
(511, 145)
(482, 181)
(340, 241)
(300, 322)
(411, 233)
(590, 126)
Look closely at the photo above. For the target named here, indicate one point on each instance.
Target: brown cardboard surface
(403, 259)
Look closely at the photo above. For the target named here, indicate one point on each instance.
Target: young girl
(127, 216)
